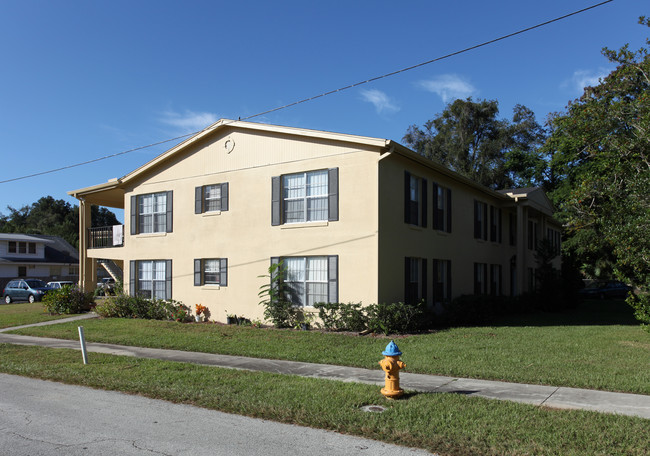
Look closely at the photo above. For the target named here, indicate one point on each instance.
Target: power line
(324, 94)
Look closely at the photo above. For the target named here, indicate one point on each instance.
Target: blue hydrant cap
(391, 350)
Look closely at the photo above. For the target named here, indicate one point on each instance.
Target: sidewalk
(547, 396)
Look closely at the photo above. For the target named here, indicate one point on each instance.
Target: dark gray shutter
(499, 226)
(133, 274)
(449, 210)
(333, 278)
(448, 281)
(224, 196)
(276, 195)
(407, 197)
(223, 272)
(424, 279)
(436, 212)
(168, 279)
(477, 226)
(424, 202)
(435, 291)
(407, 280)
(198, 276)
(333, 197)
(134, 215)
(198, 200)
(170, 211)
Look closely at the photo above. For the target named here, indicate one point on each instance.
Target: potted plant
(200, 309)
(231, 319)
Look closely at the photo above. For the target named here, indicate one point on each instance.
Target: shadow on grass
(589, 312)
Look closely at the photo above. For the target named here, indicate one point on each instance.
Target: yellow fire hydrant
(391, 365)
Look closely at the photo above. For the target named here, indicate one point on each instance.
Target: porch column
(87, 266)
(522, 216)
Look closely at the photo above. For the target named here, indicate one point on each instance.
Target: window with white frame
(305, 197)
(415, 280)
(415, 200)
(211, 271)
(151, 213)
(480, 278)
(11, 248)
(441, 208)
(150, 279)
(495, 224)
(307, 279)
(441, 281)
(495, 279)
(310, 196)
(480, 220)
(211, 198)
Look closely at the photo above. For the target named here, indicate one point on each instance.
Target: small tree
(278, 309)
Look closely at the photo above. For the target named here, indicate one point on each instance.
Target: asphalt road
(52, 419)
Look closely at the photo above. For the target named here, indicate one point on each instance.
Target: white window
(441, 208)
(152, 213)
(480, 278)
(211, 198)
(151, 279)
(441, 281)
(305, 196)
(307, 279)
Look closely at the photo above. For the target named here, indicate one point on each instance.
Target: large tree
(602, 150)
(52, 217)
(469, 138)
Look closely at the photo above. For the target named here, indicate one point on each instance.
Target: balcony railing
(106, 237)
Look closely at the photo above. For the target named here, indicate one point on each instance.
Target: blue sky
(82, 80)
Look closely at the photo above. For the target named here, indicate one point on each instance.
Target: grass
(449, 424)
(24, 314)
(597, 346)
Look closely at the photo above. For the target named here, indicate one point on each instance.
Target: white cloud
(381, 101)
(448, 87)
(188, 121)
(585, 78)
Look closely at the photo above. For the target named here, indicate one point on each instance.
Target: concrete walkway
(548, 396)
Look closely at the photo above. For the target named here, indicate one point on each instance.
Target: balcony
(106, 237)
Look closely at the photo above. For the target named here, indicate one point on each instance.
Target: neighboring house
(355, 219)
(37, 256)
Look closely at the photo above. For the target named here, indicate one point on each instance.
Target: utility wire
(324, 94)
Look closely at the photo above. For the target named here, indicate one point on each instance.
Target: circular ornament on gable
(229, 145)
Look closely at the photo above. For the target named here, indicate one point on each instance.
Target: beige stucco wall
(244, 234)
(398, 240)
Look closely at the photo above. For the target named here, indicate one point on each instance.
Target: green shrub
(641, 306)
(67, 300)
(125, 306)
(274, 295)
(342, 317)
(395, 317)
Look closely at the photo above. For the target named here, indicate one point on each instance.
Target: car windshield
(35, 283)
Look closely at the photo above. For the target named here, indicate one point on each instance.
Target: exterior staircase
(113, 269)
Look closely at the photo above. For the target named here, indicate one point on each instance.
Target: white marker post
(83, 344)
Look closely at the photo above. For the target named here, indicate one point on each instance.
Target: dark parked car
(609, 289)
(24, 290)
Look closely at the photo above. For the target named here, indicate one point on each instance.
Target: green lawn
(597, 346)
(448, 424)
(24, 314)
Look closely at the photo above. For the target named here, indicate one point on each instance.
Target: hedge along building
(354, 219)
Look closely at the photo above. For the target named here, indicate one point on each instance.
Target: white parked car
(60, 284)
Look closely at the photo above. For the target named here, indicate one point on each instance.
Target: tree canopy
(52, 217)
(469, 138)
(601, 151)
